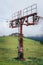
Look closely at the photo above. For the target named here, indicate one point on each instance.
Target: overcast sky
(8, 7)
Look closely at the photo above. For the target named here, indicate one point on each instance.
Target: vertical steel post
(20, 48)
(21, 41)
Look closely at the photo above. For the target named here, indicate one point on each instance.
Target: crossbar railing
(26, 11)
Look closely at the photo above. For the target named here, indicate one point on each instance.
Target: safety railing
(26, 11)
(30, 10)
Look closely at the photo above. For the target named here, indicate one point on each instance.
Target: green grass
(33, 51)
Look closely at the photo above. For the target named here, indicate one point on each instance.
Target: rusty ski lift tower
(22, 18)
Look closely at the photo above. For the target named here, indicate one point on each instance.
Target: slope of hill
(37, 38)
(33, 51)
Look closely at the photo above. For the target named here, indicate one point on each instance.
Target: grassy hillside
(33, 51)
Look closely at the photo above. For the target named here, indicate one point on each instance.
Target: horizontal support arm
(29, 24)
